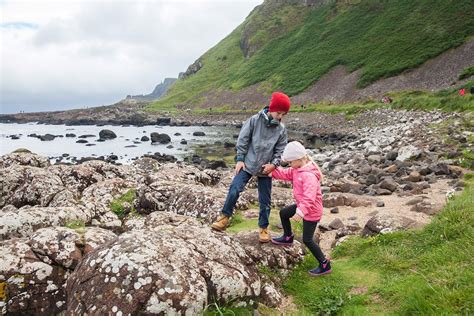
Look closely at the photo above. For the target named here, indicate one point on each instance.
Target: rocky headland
(102, 238)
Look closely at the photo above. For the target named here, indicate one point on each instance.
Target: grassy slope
(417, 272)
(383, 38)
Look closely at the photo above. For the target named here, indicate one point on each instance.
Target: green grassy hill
(290, 46)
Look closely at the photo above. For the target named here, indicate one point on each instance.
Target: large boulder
(160, 138)
(28, 285)
(385, 223)
(172, 266)
(107, 134)
(24, 185)
(33, 272)
(25, 221)
(24, 159)
(194, 200)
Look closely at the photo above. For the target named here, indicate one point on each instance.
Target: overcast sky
(60, 54)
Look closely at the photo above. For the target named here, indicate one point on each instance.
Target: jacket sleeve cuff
(275, 162)
(240, 158)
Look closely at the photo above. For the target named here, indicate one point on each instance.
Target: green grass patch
(117, 206)
(239, 223)
(427, 271)
(447, 100)
(75, 224)
(467, 72)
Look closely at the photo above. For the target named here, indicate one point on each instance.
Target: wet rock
(198, 133)
(70, 135)
(82, 141)
(107, 134)
(160, 138)
(47, 137)
(145, 138)
(162, 121)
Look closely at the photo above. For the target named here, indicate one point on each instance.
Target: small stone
(379, 204)
(334, 210)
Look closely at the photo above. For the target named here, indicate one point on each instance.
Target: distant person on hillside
(462, 91)
(261, 142)
(306, 178)
(472, 90)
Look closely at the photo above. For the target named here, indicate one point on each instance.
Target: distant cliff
(157, 93)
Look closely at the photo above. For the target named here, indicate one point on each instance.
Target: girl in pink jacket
(305, 176)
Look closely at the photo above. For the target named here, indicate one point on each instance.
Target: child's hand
(268, 168)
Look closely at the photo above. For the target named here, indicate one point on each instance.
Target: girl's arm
(283, 174)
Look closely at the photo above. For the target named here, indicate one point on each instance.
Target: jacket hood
(311, 168)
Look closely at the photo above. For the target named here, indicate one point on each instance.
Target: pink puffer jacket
(306, 189)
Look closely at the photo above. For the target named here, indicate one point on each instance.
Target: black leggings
(308, 231)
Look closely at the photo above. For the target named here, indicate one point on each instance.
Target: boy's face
(277, 115)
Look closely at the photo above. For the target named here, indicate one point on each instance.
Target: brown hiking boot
(221, 224)
(264, 236)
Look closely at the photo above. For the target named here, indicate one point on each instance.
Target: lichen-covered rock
(29, 286)
(272, 256)
(24, 159)
(99, 196)
(185, 199)
(57, 245)
(384, 223)
(176, 267)
(94, 237)
(25, 221)
(24, 185)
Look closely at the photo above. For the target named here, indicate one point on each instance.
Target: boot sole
(219, 229)
(285, 244)
(315, 275)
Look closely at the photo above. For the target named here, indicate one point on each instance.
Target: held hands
(238, 166)
(268, 168)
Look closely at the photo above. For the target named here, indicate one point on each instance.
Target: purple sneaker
(324, 268)
(283, 240)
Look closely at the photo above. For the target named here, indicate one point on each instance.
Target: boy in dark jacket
(261, 142)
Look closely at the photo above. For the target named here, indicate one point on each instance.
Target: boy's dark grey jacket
(259, 144)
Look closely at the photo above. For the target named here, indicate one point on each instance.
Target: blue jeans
(264, 196)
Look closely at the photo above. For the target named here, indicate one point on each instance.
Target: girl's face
(298, 163)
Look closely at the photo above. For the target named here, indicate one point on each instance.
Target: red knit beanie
(280, 102)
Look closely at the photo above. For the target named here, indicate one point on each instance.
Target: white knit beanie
(293, 151)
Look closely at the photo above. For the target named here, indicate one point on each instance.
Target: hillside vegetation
(382, 38)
